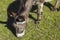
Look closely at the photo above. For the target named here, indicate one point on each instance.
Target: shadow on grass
(9, 26)
(49, 5)
(3, 22)
(34, 7)
(13, 7)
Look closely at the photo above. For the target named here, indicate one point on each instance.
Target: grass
(48, 29)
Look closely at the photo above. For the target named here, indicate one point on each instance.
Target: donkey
(21, 17)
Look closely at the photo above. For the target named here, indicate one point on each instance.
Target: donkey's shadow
(49, 5)
(13, 7)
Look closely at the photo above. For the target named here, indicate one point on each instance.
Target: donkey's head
(19, 24)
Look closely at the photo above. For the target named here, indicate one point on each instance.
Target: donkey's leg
(56, 4)
(39, 11)
(28, 6)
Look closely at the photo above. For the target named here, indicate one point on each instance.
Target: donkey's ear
(13, 14)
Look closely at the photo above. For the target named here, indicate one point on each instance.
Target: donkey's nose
(20, 34)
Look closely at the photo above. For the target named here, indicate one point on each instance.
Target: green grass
(48, 29)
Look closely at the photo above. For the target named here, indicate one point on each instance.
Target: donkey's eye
(20, 19)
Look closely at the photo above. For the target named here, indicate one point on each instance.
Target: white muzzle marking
(20, 34)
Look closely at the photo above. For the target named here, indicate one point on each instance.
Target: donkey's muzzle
(20, 28)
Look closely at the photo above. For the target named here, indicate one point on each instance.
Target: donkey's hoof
(53, 10)
(58, 9)
(37, 22)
